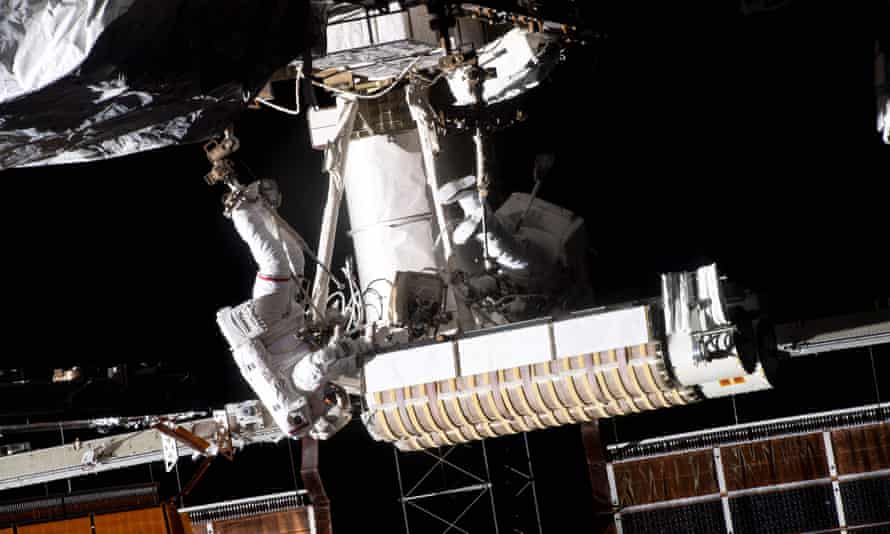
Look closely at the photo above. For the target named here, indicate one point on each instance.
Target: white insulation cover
(417, 365)
(43, 40)
(509, 347)
(389, 211)
(602, 331)
(513, 347)
(86, 80)
(520, 59)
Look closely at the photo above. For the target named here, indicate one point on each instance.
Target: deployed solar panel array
(282, 512)
(822, 472)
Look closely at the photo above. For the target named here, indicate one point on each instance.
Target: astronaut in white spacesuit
(535, 251)
(291, 379)
(502, 246)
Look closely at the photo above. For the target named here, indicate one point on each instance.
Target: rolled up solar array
(519, 379)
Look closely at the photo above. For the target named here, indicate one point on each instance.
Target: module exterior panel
(502, 350)
(414, 366)
(603, 331)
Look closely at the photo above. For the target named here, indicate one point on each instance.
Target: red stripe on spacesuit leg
(272, 278)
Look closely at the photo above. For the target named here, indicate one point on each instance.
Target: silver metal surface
(835, 485)
(251, 507)
(613, 496)
(700, 344)
(101, 424)
(834, 333)
(381, 60)
(724, 493)
(479, 482)
(120, 451)
(284, 497)
(464, 489)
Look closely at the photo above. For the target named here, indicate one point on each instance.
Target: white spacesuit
(291, 380)
(536, 250)
(502, 246)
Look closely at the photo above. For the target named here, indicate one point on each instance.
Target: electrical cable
(372, 282)
(376, 309)
(265, 102)
(282, 109)
(379, 297)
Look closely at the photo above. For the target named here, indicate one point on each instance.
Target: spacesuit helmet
(268, 189)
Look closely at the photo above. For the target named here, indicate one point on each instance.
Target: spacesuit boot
(504, 250)
(289, 409)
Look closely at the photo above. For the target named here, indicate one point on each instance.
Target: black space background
(697, 134)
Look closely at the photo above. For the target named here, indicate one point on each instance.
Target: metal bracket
(218, 152)
(170, 450)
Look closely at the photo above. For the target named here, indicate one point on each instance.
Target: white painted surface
(724, 492)
(835, 484)
(417, 365)
(390, 216)
(602, 331)
(691, 371)
(755, 381)
(505, 349)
